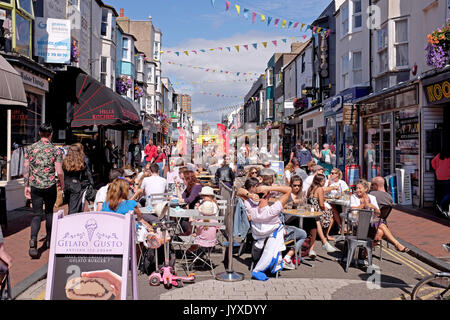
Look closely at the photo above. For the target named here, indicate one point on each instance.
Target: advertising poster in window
(52, 40)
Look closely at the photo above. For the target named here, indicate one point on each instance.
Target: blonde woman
(288, 173)
(77, 176)
(315, 152)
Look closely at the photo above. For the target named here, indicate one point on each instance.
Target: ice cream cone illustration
(90, 226)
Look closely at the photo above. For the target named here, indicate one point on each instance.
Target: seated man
(379, 192)
(155, 184)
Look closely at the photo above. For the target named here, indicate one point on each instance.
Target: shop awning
(12, 92)
(98, 105)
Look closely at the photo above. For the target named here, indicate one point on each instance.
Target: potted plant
(438, 47)
(123, 84)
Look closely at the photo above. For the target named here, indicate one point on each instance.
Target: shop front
(390, 140)
(20, 127)
(435, 129)
(313, 126)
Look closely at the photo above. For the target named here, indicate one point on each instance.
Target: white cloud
(250, 60)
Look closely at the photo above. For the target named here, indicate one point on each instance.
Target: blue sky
(196, 24)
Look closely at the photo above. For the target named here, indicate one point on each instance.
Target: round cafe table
(301, 214)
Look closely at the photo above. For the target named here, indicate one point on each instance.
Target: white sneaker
(328, 247)
(312, 254)
(288, 264)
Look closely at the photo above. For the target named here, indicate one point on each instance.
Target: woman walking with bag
(77, 178)
(325, 159)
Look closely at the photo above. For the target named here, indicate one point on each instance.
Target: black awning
(12, 92)
(98, 105)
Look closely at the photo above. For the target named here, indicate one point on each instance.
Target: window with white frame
(104, 26)
(156, 53)
(344, 20)
(357, 15)
(303, 62)
(401, 43)
(344, 71)
(269, 77)
(357, 67)
(383, 58)
(125, 48)
(151, 74)
(103, 70)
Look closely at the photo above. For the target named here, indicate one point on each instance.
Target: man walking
(135, 150)
(302, 154)
(43, 161)
(150, 151)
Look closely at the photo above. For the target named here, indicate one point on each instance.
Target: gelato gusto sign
(89, 256)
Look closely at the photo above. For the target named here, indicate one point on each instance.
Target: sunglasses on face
(254, 172)
(296, 185)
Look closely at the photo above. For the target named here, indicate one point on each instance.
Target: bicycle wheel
(434, 287)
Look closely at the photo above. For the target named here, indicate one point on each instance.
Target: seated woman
(117, 201)
(362, 200)
(190, 196)
(335, 180)
(316, 197)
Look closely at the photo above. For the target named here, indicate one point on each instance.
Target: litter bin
(3, 220)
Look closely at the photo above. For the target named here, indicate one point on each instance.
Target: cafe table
(179, 214)
(301, 214)
(345, 203)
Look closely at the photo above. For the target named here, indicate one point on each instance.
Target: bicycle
(435, 286)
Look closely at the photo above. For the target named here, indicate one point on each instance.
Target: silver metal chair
(361, 239)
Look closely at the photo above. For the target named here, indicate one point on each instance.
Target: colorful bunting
(255, 45)
(295, 25)
(212, 2)
(227, 4)
(283, 24)
(284, 40)
(246, 46)
(276, 22)
(229, 49)
(263, 17)
(245, 13)
(186, 53)
(274, 42)
(302, 26)
(237, 48)
(265, 44)
(254, 14)
(269, 19)
(238, 9)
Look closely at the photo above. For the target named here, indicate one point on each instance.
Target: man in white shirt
(100, 196)
(155, 183)
(308, 181)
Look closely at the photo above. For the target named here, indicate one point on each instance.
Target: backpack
(306, 246)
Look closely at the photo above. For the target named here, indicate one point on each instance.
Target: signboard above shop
(52, 40)
(438, 92)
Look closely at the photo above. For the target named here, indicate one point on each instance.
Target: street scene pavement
(323, 278)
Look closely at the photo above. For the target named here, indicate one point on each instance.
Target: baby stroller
(5, 285)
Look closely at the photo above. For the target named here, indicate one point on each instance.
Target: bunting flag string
(255, 45)
(213, 81)
(226, 72)
(228, 108)
(314, 29)
(218, 95)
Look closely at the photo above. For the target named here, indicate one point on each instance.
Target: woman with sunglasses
(335, 180)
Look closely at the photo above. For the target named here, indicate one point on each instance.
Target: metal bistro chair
(361, 239)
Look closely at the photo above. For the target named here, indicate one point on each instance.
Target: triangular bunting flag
(186, 53)
(246, 46)
(177, 53)
(238, 9)
(202, 50)
(302, 26)
(295, 25)
(211, 49)
(254, 14)
(304, 36)
(328, 33)
(283, 24)
(255, 45)
(237, 48)
(284, 40)
(274, 42)
(194, 51)
(314, 29)
(227, 3)
(229, 49)
(269, 19)
(318, 29)
(263, 17)
(265, 44)
(245, 13)
(220, 48)
(212, 2)
(276, 22)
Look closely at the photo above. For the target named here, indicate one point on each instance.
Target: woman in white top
(363, 200)
(315, 152)
(335, 180)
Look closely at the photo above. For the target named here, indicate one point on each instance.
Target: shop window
(23, 36)
(6, 30)
(25, 123)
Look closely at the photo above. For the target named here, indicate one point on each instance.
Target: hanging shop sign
(52, 40)
(89, 256)
(332, 106)
(438, 93)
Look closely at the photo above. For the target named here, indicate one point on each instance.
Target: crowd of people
(309, 179)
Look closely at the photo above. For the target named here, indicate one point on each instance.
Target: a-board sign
(278, 167)
(90, 256)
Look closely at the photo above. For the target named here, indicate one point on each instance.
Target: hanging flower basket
(438, 47)
(138, 92)
(123, 84)
(75, 52)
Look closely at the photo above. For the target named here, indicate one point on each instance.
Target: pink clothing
(250, 207)
(150, 152)
(442, 168)
(206, 236)
(172, 174)
(268, 214)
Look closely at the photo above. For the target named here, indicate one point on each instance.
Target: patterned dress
(327, 215)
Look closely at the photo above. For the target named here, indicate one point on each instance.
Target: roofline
(111, 8)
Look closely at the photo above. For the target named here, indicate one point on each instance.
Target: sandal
(405, 249)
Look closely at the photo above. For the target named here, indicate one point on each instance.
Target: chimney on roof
(121, 12)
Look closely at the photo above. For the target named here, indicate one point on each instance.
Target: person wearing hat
(130, 177)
